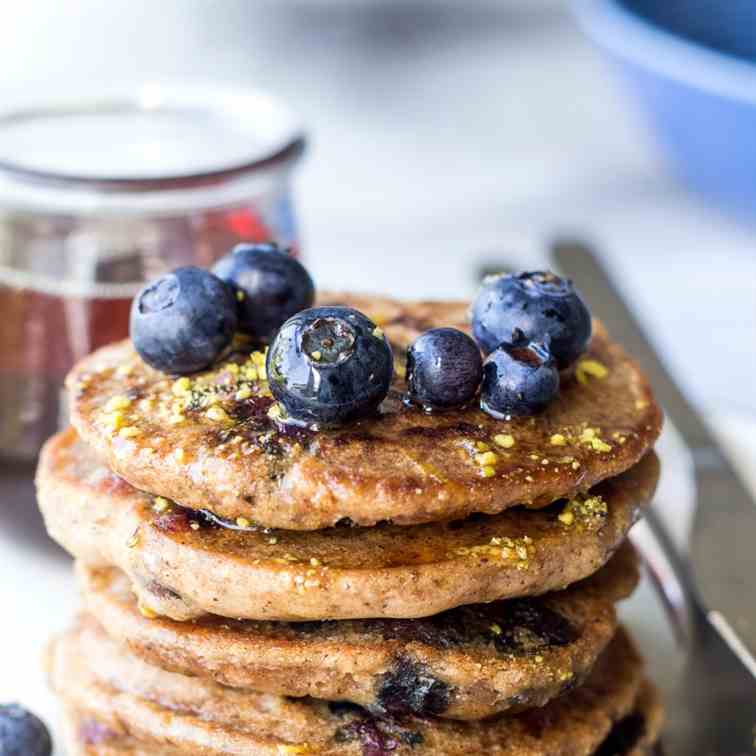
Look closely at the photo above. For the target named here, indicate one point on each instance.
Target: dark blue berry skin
(273, 286)
(537, 306)
(181, 322)
(22, 733)
(329, 365)
(444, 368)
(518, 380)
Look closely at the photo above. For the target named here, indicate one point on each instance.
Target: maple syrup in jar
(100, 195)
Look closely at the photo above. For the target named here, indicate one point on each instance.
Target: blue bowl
(692, 65)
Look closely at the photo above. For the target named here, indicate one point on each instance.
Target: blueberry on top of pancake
(328, 366)
(208, 441)
(535, 306)
(269, 285)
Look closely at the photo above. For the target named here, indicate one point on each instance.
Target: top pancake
(170, 438)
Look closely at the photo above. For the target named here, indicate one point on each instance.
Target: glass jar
(100, 194)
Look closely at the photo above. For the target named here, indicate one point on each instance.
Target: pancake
(467, 663)
(99, 740)
(638, 732)
(184, 566)
(198, 442)
(118, 698)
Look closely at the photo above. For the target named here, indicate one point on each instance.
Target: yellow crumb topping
(516, 551)
(486, 458)
(590, 437)
(505, 440)
(243, 522)
(258, 358)
(117, 403)
(588, 512)
(558, 439)
(243, 393)
(115, 420)
(160, 504)
(588, 368)
(239, 378)
(181, 386)
(145, 611)
(217, 414)
(291, 750)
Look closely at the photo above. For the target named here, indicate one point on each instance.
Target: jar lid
(158, 138)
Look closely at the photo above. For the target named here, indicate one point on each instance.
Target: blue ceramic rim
(616, 28)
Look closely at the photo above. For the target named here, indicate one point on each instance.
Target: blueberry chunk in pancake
(638, 733)
(119, 701)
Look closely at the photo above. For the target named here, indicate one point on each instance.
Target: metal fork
(712, 708)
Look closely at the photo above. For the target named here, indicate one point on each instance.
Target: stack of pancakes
(413, 583)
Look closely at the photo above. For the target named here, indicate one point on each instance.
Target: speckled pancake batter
(467, 663)
(184, 566)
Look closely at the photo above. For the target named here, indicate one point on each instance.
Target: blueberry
(520, 379)
(538, 306)
(22, 733)
(270, 285)
(444, 368)
(527, 626)
(181, 322)
(329, 365)
(409, 688)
